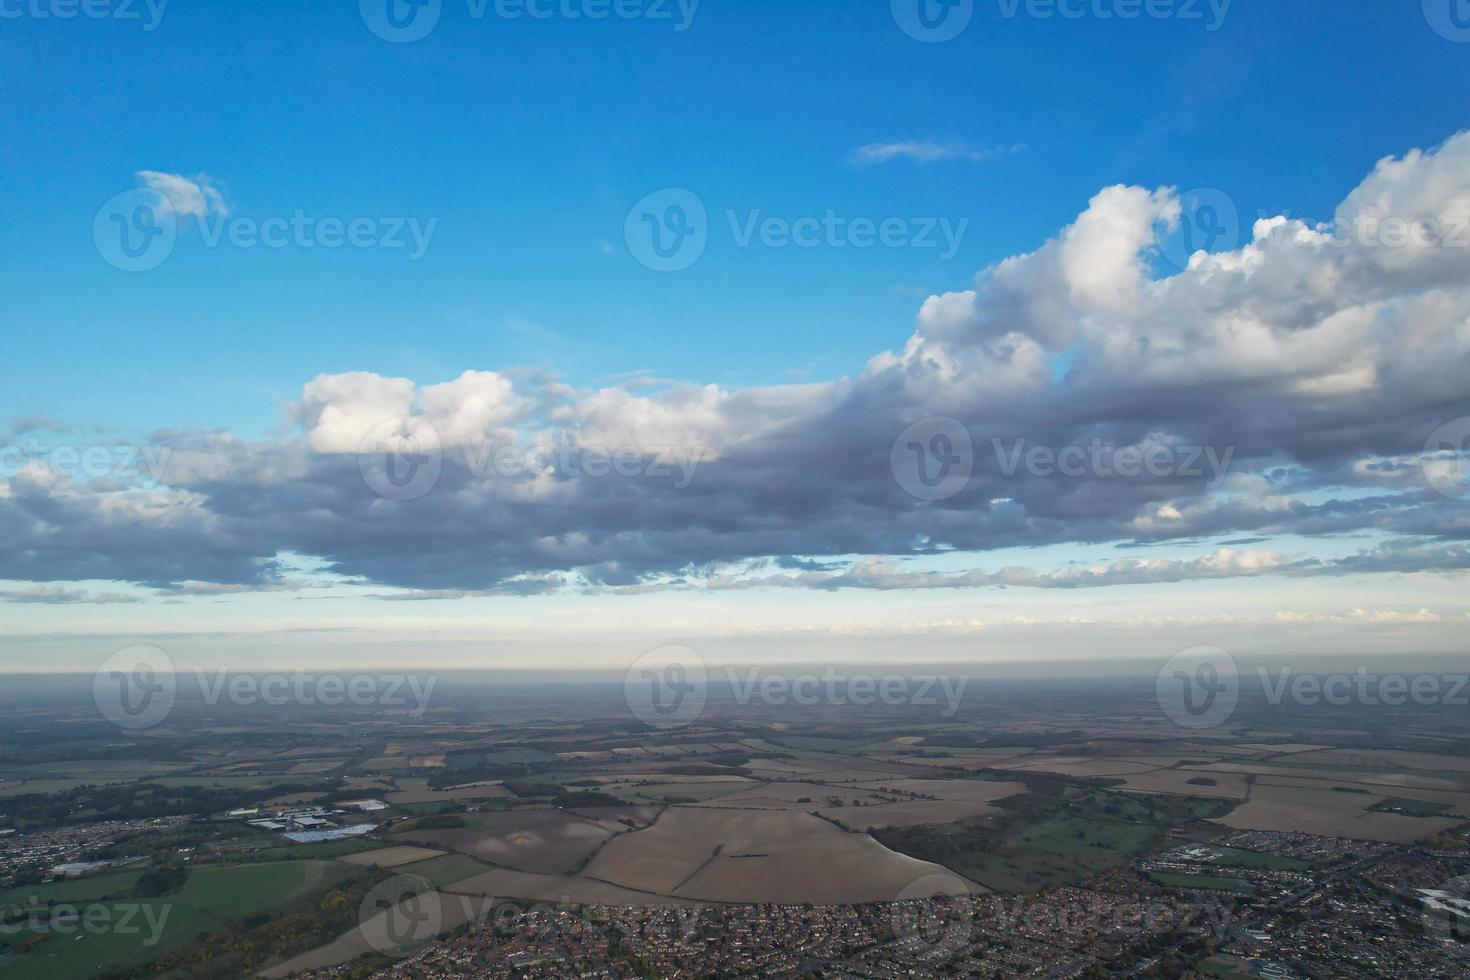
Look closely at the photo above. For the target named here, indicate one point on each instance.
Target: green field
(48, 786)
(444, 870)
(1410, 808)
(320, 851)
(1223, 967)
(115, 885)
(1234, 857)
(140, 931)
(233, 781)
(1043, 841)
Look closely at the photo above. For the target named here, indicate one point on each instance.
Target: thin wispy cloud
(925, 151)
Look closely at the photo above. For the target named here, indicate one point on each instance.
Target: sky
(484, 333)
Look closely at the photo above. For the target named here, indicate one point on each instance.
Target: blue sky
(530, 140)
(523, 144)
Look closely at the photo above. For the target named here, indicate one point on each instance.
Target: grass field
(1411, 808)
(446, 870)
(1234, 857)
(116, 885)
(140, 931)
(319, 851)
(1223, 967)
(1045, 841)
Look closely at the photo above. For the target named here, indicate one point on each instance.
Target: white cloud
(196, 197)
(340, 411)
(924, 151)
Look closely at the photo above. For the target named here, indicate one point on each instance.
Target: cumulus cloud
(1316, 358)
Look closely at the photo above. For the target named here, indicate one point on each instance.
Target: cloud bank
(1320, 355)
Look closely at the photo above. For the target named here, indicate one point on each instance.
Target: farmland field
(392, 857)
(755, 855)
(543, 841)
(1042, 841)
(1323, 811)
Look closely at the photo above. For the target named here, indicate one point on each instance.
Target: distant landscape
(250, 846)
